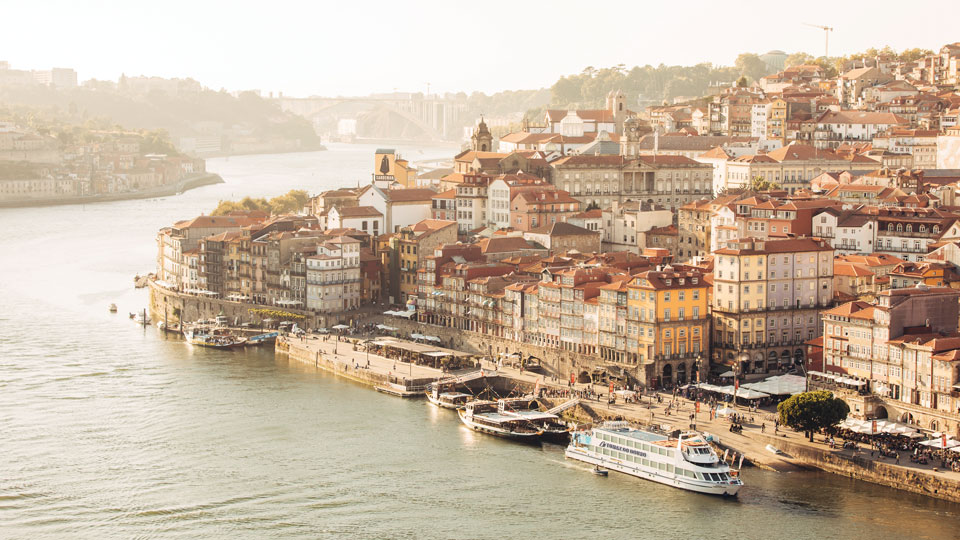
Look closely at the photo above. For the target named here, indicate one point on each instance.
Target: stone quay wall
(303, 355)
(164, 302)
(868, 470)
(555, 362)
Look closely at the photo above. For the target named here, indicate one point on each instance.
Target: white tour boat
(447, 400)
(686, 462)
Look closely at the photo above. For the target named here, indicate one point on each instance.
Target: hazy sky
(353, 47)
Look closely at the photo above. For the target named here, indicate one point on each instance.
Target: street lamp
(743, 358)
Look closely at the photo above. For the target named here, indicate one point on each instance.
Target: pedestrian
(763, 428)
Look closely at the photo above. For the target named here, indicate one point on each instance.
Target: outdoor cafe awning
(386, 328)
(779, 385)
(938, 443)
(437, 354)
(877, 427)
(340, 327)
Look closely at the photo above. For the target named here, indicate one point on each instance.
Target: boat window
(669, 468)
(646, 462)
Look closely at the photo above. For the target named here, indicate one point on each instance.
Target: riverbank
(795, 452)
(200, 180)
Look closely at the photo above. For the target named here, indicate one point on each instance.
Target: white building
(362, 218)
(333, 276)
(471, 202)
(850, 232)
(758, 120)
(400, 207)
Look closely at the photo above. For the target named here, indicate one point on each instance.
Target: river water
(110, 430)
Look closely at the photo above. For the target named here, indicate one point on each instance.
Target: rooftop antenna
(826, 43)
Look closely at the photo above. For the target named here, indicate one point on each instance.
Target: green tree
(751, 65)
(911, 55)
(798, 59)
(742, 81)
(759, 183)
(812, 411)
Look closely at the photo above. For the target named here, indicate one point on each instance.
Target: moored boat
(261, 339)
(113, 308)
(212, 337)
(447, 400)
(488, 417)
(686, 461)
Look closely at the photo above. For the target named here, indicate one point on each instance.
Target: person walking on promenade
(763, 428)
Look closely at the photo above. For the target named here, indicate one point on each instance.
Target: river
(109, 430)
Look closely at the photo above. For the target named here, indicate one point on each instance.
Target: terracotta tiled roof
(410, 195)
(358, 211)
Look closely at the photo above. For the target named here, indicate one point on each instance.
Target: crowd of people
(894, 447)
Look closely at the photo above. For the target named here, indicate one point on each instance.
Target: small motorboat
(600, 472)
(113, 308)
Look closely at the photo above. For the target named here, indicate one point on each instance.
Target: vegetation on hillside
(589, 88)
(188, 114)
(292, 201)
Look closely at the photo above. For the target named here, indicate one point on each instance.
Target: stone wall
(164, 304)
(868, 470)
(555, 362)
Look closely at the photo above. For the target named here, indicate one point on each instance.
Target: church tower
(630, 141)
(482, 139)
(617, 105)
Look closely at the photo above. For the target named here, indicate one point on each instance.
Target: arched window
(909, 227)
(923, 228)
(890, 227)
(899, 227)
(936, 229)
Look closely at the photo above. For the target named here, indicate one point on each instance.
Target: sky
(357, 47)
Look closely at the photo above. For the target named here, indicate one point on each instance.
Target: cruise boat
(686, 462)
(489, 417)
(447, 400)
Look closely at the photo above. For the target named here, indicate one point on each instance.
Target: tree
(798, 59)
(812, 411)
(742, 81)
(592, 206)
(759, 183)
(751, 65)
(911, 55)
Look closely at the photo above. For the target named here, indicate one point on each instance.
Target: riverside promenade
(796, 452)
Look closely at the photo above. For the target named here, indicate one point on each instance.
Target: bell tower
(482, 139)
(630, 142)
(617, 104)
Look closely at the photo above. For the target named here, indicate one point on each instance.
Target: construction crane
(826, 31)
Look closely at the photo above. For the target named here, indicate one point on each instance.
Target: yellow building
(389, 167)
(673, 325)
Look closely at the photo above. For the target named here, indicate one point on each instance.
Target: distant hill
(202, 112)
